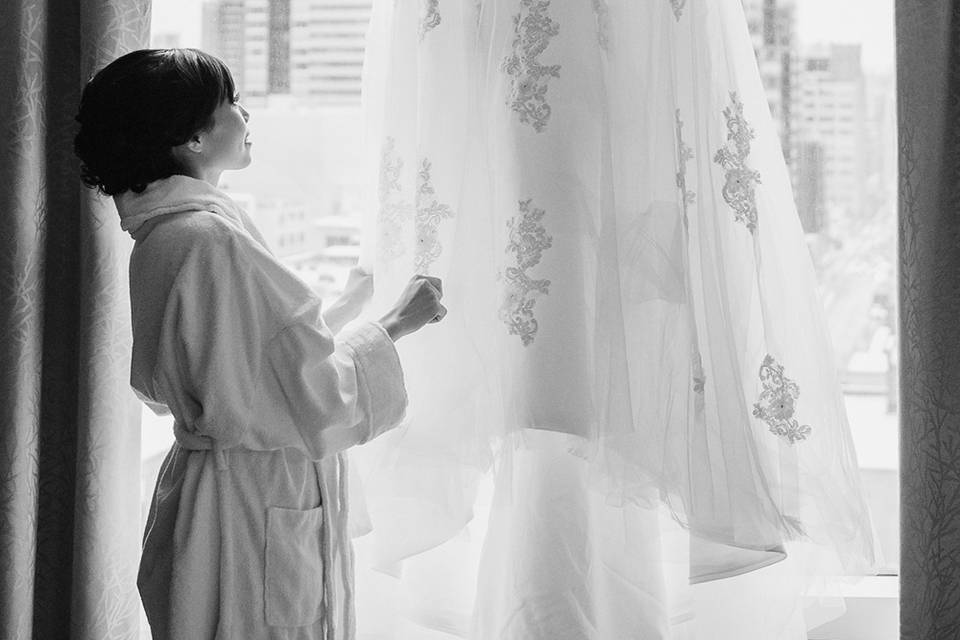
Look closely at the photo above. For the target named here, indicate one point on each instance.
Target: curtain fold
(69, 430)
(928, 70)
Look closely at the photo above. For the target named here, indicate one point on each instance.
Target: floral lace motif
(602, 12)
(430, 17)
(699, 382)
(430, 213)
(678, 6)
(393, 211)
(533, 31)
(699, 377)
(528, 241)
(684, 154)
(777, 402)
(740, 189)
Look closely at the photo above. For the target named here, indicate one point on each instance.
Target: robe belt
(193, 442)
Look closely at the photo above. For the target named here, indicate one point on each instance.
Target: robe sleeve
(352, 389)
(246, 360)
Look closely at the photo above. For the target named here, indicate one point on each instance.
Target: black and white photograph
(480, 320)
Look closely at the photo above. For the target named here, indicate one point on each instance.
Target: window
(847, 83)
(827, 62)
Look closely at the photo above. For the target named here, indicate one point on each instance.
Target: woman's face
(226, 144)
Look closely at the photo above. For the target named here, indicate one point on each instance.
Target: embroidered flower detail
(430, 17)
(602, 12)
(699, 381)
(678, 6)
(393, 211)
(778, 402)
(430, 213)
(740, 189)
(684, 154)
(533, 31)
(528, 241)
(699, 377)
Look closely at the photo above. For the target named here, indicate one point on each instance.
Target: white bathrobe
(247, 531)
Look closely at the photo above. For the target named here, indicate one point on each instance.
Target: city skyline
(312, 50)
(865, 22)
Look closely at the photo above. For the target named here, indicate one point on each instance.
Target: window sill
(872, 612)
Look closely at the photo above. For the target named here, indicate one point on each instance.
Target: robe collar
(176, 194)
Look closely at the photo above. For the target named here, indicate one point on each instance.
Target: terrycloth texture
(247, 531)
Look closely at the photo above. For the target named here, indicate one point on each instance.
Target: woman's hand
(418, 305)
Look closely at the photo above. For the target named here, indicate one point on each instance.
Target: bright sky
(178, 16)
(867, 21)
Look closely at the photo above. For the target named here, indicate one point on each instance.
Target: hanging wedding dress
(633, 391)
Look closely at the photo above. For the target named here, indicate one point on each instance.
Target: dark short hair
(135, 110)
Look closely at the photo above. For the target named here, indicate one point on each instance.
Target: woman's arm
(245, 359)
(339, 393)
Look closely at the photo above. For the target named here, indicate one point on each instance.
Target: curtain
(69, 426)
(928, 77)
(634, 389)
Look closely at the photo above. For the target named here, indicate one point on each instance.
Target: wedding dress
(634, 390)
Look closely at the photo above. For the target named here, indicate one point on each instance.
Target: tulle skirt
(634, 390)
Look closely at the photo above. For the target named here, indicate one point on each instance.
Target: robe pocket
(293, 568)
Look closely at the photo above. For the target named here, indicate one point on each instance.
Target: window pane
(832, 92)
(828, 70)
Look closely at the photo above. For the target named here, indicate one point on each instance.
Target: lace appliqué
(533, 31)
(777, 402)
(430, 213)
(528, 241)
(684, 154)
(678, 6)
(740, 189)
(430, 17)
(393, 211)
(699, 377)
(602, 13)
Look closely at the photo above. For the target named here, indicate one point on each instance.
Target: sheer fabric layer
(634, 385)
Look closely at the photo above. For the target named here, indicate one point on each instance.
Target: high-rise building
(253, 38)
(256, 48)
(808, 191)
(222, 34)
(772, 25)
(327, 47)
(278, 49)
(833, 112)
(880, 148)
(311, 49)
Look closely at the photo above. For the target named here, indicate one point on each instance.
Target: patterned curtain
(69, 430)
(928, 66)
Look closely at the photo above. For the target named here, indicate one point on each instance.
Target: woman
(247, 531)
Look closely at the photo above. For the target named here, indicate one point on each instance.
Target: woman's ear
(194, 144)
(188, 152)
